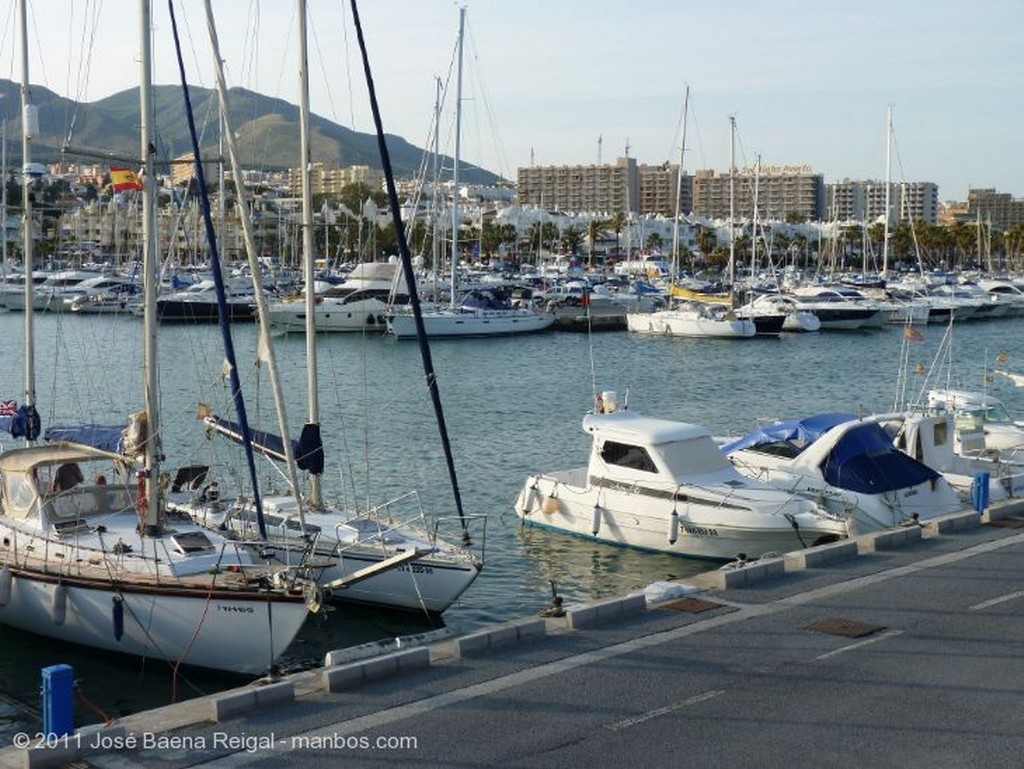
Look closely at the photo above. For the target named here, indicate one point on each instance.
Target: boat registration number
(700, 531)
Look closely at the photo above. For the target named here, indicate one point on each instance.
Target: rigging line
(323, 69)
(410, 277)
(499, 147)
(348, 70)
(218, 279)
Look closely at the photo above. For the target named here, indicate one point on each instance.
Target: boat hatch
(192, 542)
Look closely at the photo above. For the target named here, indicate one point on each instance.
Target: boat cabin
(636, 449)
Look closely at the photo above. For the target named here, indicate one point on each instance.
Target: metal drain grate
(691, 605)
(1007, 523)
(844, 627)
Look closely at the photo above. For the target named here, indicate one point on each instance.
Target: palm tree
(618, 223)
(707, 240)
(595, 228)
(572, 239)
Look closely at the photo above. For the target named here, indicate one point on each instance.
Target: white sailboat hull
(687, 323)
(466, 323)
(192, 627)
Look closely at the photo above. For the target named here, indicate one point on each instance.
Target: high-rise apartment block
(865, 201)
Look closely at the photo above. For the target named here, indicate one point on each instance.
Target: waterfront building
(614, 187)
(996, 208)
(865, 201)
(783, 192)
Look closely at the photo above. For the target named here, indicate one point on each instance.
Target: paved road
(759, 679)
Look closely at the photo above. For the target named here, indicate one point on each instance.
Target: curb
(340, 677)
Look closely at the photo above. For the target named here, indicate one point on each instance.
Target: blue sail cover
(806, 431)
(106, 437)
(308, 450)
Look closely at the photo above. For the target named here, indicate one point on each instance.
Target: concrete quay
(904, 649)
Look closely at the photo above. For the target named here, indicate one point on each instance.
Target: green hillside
(267, 130)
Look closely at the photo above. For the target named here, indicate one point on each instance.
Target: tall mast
(151, 267)
(753, 233)
(888, 192)
(29, 125)
(732, 210)
(3, 192)
(455, 168)
(679, 190)
(308, 259)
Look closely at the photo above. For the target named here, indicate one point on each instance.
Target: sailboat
(478, 313)
(89, 554)
(385, 556)
(690, 317)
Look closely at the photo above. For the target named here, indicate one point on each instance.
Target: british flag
(8, 408)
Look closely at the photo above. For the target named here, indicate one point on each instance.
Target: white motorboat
(983, 425)
(50, 293)
(794, 317)
(662, 485)
(928, 436)
(850, 465)
(837, 309)
(361, 303)
(692, 319)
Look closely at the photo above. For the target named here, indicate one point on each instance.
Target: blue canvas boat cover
(806, 431)
(106, 437)
(864, 460)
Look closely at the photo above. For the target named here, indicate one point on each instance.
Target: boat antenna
(410, 279)
(218, 279)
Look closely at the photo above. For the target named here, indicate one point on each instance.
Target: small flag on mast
(124, 179)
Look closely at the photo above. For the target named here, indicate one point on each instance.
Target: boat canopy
(865, 460)
(105, 437)
(862, 459)
(800, 433)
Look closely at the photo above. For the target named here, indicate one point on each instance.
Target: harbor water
(512, 405)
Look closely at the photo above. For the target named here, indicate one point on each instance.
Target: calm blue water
(513, 406)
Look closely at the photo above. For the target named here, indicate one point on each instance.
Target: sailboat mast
(888, 192)
(679, 190)
(308, 258)
(455, 165)
(28, 120)
(150, 267)
(3, 192)
(732, 210)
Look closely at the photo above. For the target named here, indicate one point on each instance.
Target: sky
(566, 82)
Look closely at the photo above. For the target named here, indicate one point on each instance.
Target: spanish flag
(124, 179)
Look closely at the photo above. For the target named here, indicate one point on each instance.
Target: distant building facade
(782, 192)
(325, 180)
(610, 188)
(865, 201)
(998, 208)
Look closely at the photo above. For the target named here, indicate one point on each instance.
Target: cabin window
(941, 434)
(624, 455)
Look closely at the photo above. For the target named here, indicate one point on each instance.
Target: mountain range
(266, 131)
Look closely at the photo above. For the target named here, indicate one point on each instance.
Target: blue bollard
(58, 702)
(979, 491)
